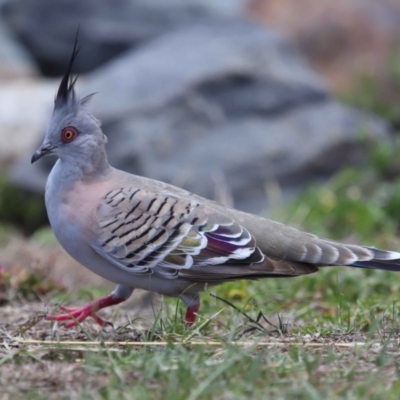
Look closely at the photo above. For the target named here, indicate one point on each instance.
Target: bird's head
(72, 134)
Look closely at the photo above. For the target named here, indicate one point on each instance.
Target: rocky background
(245, 102)
(226, 99)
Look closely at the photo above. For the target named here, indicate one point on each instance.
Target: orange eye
(68, 134)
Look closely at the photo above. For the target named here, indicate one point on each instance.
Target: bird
(147, 234)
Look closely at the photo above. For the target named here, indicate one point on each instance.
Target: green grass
(379, 95)
(180, 370)
(20, 208)
(332, 308)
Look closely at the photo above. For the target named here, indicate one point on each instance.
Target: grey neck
(81, 168)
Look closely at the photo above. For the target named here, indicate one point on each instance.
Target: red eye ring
(68, 134)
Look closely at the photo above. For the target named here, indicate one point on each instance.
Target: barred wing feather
(145, 232)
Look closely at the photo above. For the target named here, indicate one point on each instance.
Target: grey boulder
(107, 27)
(233, 101)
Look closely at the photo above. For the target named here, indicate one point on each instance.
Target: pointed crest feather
(66, 88)
(87, 98)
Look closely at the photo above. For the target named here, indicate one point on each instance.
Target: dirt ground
(57, 363)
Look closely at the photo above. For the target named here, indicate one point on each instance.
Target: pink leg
(79, 314)
(191, 312)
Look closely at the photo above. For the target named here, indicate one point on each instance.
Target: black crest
(66, 88)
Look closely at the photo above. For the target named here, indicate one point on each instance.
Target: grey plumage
(147, 234)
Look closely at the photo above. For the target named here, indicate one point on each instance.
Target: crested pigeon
(142, 233)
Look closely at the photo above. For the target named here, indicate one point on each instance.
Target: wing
(144, 232)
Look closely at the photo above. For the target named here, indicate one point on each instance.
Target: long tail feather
(383, 259)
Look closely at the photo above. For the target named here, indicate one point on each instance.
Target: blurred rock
(343, 38)
(224, 60)
(107, 27)
(15, 62)
(232, 100)
(25, 106)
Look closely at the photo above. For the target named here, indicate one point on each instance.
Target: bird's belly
(72, 214)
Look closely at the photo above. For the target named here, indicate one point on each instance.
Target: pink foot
(191, 313)
(78, 314)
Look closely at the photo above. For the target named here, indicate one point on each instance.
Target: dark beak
(44, 150)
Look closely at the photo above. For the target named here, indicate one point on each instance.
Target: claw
(76, 315)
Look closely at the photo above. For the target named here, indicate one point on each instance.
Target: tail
(381, 259)
(281, 242)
